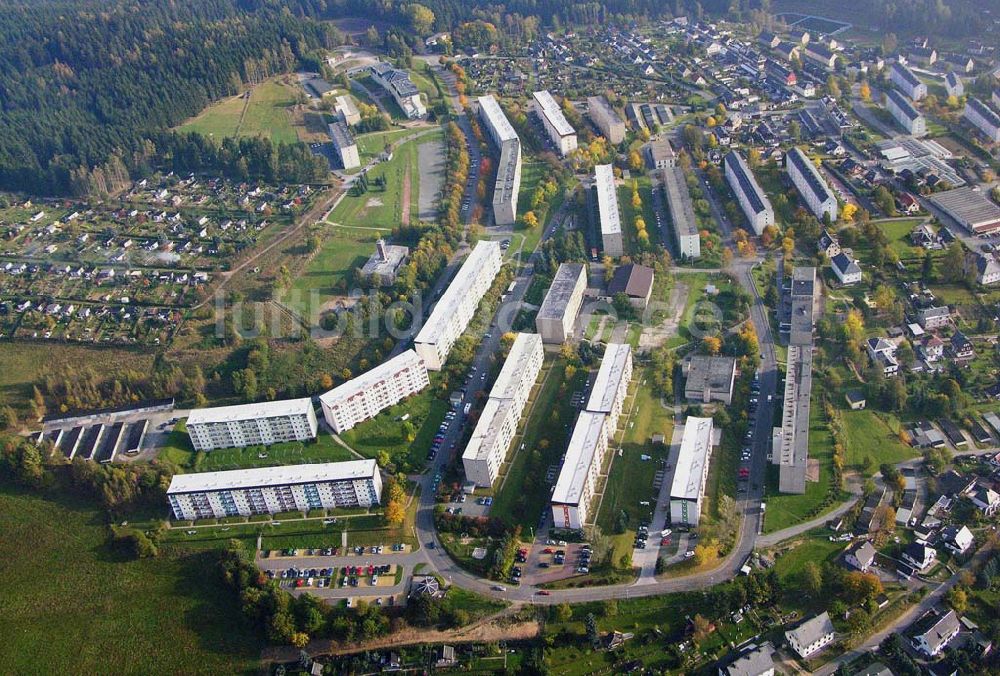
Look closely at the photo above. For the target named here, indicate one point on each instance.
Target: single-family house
(811, 636)
(919, 556)
(933, 632)
(957, 539)
(861, 556)
(985, 499)
(846, 269)
(961, 347)
(883, 353)
(828, 244)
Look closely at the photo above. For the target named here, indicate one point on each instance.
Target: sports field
(266, 114)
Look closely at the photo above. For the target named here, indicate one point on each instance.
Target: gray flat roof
(548, 107)
(968, 206)
(341, 135)
(561, 290)
(609, 377)
(713, 373)
(260, 477)
(587, 435)
(682, 216)
(263, 409)
(695, 450)
(607, 199)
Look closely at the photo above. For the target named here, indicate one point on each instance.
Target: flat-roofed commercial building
(682, 218)
(577, 483)
(811, 185)
(401, 88)
(709, 379)
(347, 111)
(362, 398)
(907, 81)
(560, 131)
(908, 117)
(508, 180)
(973, 210)
(611, 385)
(458, 304)
(607, 210)
(983, 118)
(272, 490)
(344, 144)
(260, 424)
(691, 471)
(490, 441)
(556, 317)
(606, 119)
(750, 195)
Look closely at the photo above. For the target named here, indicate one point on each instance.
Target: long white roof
(692, 458)
(609, 377)
(260, 477)
(264, 409)
(587, 434)
(497, 119)
(607, 200)
(457, 291)
(521, 352)
(487, 428)
(385, 370)
(550, 109)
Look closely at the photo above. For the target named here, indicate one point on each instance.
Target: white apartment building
(458, 304)
(580, 472)
(691, 471)
(375, 390)
(490, 441)
(344, 144)
(908, 117)
(953, 85)
(682, 218)
(983, 118)
(907, 81)
(813, 188)
(556, 317)
(606, 119)
(261, 424)
(401, 88)
(508, 180)
(560, 131)
(271, 490)
(611, 384)
(607, 209)
(754, 202)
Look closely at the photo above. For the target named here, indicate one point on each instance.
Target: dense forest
(88, 87)
(85, 81)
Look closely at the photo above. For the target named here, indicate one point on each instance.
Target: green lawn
(694, 305)
(785, 510)
(897, 231)
(71, 605)
(790, 567)
(370, 145)
(876, 435)
(328, 272)
(645, 210)
(385, 432)
(323, 449)
(266, 115)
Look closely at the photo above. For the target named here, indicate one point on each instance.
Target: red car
(547, 550)
(543, 592)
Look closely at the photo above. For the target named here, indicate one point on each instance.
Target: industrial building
(983, 118)
(555, 319)
(508, 180)
(709, 379)
(458, 304)
(908, 117)
(607, 211)
(490, 441)
(751, 197)
(560, 131)
(401, 88)
(811, 185)
(347, 111)
(691, 471)
(260, 424)
(365, 396)
(385, 262)
(907, 81)
(606, 119)
(682, 218)
(344, 144)
(611, 384)
(970, 208)
(272, 490)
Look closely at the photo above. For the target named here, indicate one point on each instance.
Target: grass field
(789, 566)
(266, 115)
(384, 208)
(370, 145)
(385, 432)
(77, 609)
(874, 434)
(326, 276)
(897, 231)
(323, 449)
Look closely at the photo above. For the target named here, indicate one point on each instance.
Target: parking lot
(551, 560)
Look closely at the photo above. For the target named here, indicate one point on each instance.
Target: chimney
(380, 249)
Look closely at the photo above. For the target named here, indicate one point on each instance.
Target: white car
(688, 555)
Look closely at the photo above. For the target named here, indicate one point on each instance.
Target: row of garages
(100, 442)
